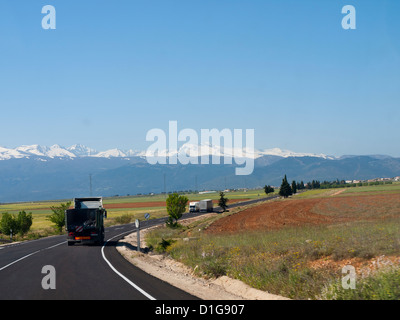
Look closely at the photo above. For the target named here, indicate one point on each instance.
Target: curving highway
(82, 271)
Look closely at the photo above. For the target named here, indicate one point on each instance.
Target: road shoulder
(182, 277)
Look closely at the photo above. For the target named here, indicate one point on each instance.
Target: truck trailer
(85, 223)
(206, 205)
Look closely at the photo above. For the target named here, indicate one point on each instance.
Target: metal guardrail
(5, 241)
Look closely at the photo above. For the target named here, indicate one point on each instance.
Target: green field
(386, 188)
(41, 210)
(395, 187)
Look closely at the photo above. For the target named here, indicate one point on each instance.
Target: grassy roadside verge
(297, 262)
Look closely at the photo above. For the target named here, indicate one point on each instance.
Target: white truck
(206, 205)
(194, 206)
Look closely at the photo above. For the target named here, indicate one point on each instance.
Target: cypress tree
(294, 187)
(222, 202)
(285, 190)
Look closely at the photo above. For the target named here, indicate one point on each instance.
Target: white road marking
(31, 254)
(104, 257)
(120, 274)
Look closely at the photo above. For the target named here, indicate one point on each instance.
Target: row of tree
(286, 189)
(11, 224)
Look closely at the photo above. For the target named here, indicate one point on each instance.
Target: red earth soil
(150, 204)
(133, 205)
(316, 211)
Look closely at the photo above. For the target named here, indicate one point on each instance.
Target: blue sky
(113, 70)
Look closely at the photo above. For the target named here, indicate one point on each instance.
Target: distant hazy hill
(42, 177)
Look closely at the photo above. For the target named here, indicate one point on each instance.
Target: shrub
(176, 206)
(58, 215)
(19, 224)
(164, 245)
(124, 219)
(383, 285)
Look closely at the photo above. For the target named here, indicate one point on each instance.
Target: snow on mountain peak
(6, 154)
(32, 149)
(287, 153)
(58, 151)
(81, 151)
(112, 153)
(190, 150)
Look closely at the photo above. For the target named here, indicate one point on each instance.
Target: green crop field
(41, 209)
(395, 187)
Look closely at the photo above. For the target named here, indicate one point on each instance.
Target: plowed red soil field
(151, 204)
(316, 211)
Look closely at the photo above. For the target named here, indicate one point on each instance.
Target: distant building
(204, 192)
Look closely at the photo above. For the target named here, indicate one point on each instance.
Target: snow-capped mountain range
(34, 172)
(57, 151)
(78, 150)
(193, 150)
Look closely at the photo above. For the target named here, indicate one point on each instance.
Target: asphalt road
(82, 271)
